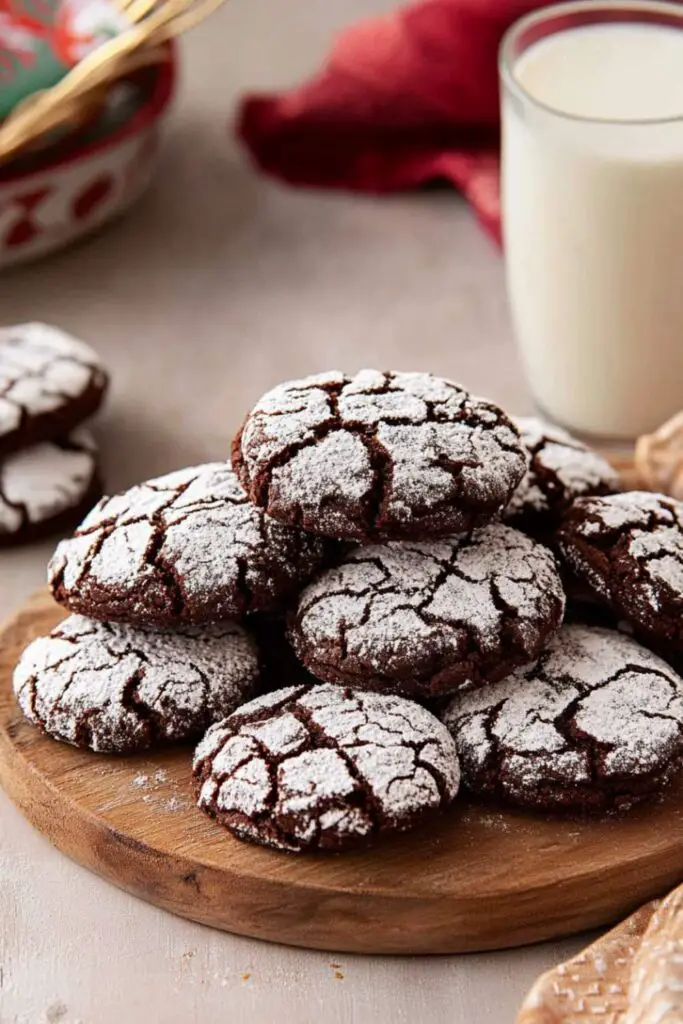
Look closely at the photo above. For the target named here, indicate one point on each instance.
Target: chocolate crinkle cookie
(49, 384)
(628, 549)
(48, 487)
(184, 548)
(121, 690)
(596, 724)
(422, 619)
(378, 456)
(325, 767)
(561, 469)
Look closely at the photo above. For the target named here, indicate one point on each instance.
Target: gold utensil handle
(153, 24)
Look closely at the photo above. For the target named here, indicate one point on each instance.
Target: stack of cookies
(50, 383)
(369, 608)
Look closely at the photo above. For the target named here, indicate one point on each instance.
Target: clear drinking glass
(593, 212)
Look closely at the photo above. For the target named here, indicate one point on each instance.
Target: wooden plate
(481, 879)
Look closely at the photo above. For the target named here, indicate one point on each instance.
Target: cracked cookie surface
(48, 487)
(325, 767)
(185, 548)
(117, 689)
(378, 456)
(628, 549)
(561, 469)
(49, 383)
(596, 724)
(422, 619)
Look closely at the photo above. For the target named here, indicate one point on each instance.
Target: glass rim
(574, 14)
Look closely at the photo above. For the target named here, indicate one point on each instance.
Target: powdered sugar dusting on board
(597, 709)
(156, 788)
(324, 767)
(120, 689)
(411, 610)
(378, 454)
(188, 546)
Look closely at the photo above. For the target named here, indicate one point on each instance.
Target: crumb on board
(146, 781)
(337, 974)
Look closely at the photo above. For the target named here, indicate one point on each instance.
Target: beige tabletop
(220, 284)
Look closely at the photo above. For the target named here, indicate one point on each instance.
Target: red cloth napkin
(403, 100)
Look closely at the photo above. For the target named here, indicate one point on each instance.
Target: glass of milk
(592, 113)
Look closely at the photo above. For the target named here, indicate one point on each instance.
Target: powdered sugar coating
(186, 547)
(425, 618)
(113, 688)
(561, 469)
(628, 548)
(325, 767)
(49, 382)
(378, 455)
(39, 483)
(596, 722)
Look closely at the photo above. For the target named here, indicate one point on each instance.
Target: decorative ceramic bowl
(41, 41)
(53, 197)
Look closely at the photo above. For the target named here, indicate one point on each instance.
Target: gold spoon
(153, 23)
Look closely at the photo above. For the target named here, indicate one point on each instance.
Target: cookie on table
(378, 456)
(424, 618)
(561, 469)
(45, 489)
(595, 724)
(49, 384)
(188, 547)
(628, 549)
(120, 690)
(325, 767)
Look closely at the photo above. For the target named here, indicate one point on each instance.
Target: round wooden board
(480, 879)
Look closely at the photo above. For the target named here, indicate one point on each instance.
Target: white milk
(593, 222)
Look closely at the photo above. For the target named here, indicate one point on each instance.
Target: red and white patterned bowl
(60, 199)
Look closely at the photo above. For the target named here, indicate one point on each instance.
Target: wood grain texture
(480, 879)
